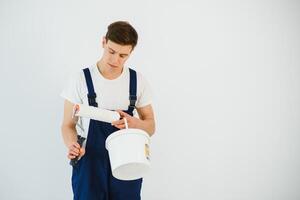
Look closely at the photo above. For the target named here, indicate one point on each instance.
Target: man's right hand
(75, 150)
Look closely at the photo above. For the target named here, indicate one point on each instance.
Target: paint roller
(94, 113)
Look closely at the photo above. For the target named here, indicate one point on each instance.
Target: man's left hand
(131, 121)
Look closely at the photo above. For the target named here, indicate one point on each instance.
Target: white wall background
(225, 76)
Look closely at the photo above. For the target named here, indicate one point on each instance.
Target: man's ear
(103, 41)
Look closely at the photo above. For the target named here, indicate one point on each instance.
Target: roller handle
(80, 141)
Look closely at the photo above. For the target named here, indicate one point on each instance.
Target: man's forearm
(69, 135)
(147, 125)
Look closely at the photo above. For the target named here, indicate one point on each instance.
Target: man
(110, 85)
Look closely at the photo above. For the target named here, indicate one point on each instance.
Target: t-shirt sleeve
(73, 88)
(145, 97)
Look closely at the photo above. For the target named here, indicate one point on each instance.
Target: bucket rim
(126, 131)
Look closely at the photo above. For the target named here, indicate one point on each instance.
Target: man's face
(115, 55)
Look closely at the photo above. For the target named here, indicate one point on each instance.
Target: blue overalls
(91, 177)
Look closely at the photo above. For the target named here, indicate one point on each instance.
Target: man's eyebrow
(111, 49)
(122, 54)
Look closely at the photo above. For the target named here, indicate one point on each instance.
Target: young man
(110, 85)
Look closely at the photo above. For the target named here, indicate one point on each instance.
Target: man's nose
(115, 58)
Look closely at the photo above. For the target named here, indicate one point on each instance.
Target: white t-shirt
(111, 94)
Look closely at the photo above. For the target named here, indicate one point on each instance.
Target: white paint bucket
(128, 153)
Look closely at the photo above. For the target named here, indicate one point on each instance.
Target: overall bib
(91, 176)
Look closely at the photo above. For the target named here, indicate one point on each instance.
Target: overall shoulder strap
(132, 90)
(91, 93)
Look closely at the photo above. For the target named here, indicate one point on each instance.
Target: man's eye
(111, 52)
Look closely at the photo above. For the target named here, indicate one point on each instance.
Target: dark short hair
(121, 32)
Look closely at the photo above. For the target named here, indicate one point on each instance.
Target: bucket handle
(126, 124)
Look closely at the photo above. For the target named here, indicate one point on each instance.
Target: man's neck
(109, 72)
